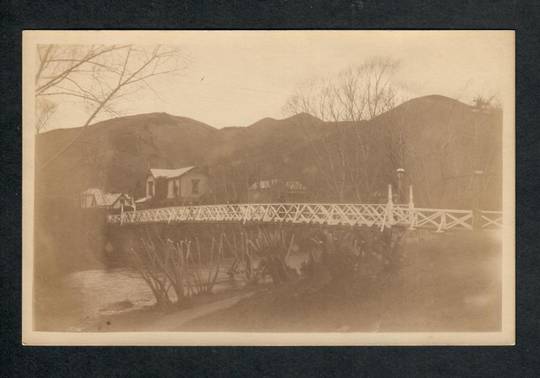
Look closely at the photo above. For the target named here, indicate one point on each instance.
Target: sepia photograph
(268, 187)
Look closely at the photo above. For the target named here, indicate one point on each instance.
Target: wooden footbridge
(331, 214)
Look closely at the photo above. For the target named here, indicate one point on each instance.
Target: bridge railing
(443, 219)
(380, 215)
(491, 219)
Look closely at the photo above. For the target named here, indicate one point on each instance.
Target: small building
(276, 190)
(182, 185)
(95, 198)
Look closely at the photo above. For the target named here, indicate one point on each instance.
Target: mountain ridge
(301, 115)
(115, 154)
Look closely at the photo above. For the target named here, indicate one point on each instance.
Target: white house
(185, 184)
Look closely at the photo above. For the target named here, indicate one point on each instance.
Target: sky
(237, 78)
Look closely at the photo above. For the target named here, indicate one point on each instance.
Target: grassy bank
(446, 282)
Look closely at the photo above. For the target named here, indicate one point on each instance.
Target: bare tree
(380, 91)
(101, 76)
(354, 94)
(317, 97)
(487, 103)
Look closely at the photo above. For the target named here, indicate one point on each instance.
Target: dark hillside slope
(267, 137)
(443, 142)
(259, 152)
(117, 153)
(439, 142)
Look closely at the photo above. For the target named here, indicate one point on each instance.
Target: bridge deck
(380, 215)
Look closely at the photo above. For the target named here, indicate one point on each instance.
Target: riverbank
(449, 282)
(151, 318)
(446, 282)
(119, 300)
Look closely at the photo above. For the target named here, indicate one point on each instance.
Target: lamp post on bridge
(400, 173)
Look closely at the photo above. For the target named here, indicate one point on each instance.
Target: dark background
(520, 360)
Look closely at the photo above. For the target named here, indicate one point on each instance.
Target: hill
(437, 140)
(116, 154)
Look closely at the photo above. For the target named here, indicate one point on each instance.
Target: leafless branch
(100, 75)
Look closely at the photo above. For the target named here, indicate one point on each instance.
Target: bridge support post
(442, 224)
(412, 214)
(388, 220)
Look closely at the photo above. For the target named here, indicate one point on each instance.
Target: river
(82, 297)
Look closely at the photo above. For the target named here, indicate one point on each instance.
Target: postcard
(268, 187)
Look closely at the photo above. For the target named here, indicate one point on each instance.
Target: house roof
(169, 173)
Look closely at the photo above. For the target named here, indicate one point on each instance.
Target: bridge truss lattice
(379, 215)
